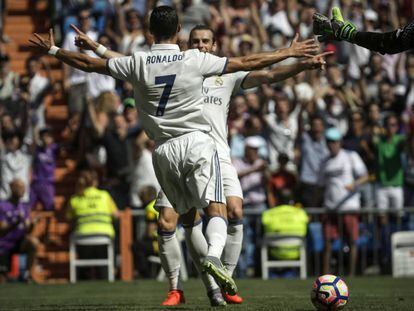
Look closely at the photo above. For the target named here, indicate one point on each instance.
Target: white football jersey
(168, 87)
(337, 173)
(217, 91)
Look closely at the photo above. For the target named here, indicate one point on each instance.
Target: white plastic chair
(402, 247)
(274, 240)
(91, 241)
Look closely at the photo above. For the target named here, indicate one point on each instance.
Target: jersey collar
(165, 46)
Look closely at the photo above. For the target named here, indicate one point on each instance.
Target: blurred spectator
(142, 171)
(282, 129)
(194, 12)
(9, 81)
(333, 100)
(281, 182)
(312, 151)
(357, 140)
(409, 170)
(275, 18)
(252, 127)
(91, 212)
(39, 85)
(285, 220)
(7, 125)
(147, 245)
(75, 82)
(15, 226)
(387, 98)
(375, 120)
(131, 113)
(130, 26)
(250, 170)
(390, 175)
(114, 136)
(15, 163)
(44, 164)
(373, 75)
(341, 175)
(3, 14)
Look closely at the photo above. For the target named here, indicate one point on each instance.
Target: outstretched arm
(75, 59)
(256, 78)
(337, 28)
(265, 59)
(83, 41)
(393, 42)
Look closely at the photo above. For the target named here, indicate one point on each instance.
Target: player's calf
(170, 251)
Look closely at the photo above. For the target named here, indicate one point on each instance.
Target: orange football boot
(232, 299)
(174, 298)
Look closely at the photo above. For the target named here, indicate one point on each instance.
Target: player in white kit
(217, 92)
(168, 84)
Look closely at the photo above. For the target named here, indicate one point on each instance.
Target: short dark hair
(202, 27)
(163, 22)
(4, 58)
(316, 117)
(389, 117)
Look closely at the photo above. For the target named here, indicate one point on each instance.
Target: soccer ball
(329, 292)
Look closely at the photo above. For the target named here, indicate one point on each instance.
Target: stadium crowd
(342, 138)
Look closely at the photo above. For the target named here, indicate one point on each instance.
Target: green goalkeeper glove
(335, 29)
(322, 27)
(343, 30)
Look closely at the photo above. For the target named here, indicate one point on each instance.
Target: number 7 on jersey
(169, 82)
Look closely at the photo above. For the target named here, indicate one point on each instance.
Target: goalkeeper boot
(174, 298)
(214, 267)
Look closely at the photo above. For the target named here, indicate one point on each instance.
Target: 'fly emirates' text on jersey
(168, 87)
(217, 91)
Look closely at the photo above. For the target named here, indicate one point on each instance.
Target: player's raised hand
(305, 48)
(82, 40)
(318, 61)
(43, 44)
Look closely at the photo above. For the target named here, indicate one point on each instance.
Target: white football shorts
(231, 183)
(188, 170)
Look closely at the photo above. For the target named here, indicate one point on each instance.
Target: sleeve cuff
(225, 66)
(108, 68)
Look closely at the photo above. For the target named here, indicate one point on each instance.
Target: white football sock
(231, 252)
(197, 247)
(216, 234)
(170, 254)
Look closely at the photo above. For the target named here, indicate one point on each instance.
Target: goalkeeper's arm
(393, 42)
(337, 28)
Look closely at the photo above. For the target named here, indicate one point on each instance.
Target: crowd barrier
(374, 242)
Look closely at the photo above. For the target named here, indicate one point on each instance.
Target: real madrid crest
(219, 81)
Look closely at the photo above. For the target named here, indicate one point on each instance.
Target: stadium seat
(402, 245)
(274, 240)
(315, 237)
(74, 262)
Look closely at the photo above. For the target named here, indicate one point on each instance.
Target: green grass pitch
(366, 294)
